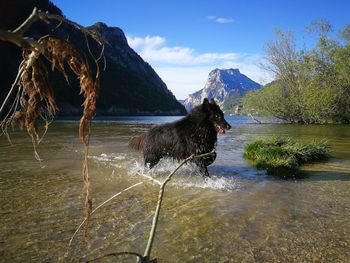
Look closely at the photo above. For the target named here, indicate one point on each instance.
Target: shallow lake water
(238, 215)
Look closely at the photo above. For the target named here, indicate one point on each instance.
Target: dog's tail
(138, 142)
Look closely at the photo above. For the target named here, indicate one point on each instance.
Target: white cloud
(211, 17)
(221, 20)
(148, 41)
(183, 81)
(185, 71)
(153, 49)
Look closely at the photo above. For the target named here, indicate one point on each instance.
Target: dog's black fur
(194, 134)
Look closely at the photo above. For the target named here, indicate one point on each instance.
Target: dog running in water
(194, 134)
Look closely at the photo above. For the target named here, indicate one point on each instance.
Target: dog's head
(215, 116)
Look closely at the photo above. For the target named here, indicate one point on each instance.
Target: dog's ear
(212, 101)
(205, 101)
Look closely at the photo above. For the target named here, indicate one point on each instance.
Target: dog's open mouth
(219, 128)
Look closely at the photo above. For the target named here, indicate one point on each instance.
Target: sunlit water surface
(238, 215)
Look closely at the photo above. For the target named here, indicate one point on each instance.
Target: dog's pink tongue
(219, 129)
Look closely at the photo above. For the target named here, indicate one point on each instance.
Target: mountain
(129, 85)
(225, 86)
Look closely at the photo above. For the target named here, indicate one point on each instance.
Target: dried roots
(35, 97)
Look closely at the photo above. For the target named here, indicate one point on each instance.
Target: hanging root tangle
(34, 94)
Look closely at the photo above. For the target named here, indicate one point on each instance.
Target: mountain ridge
(222, 85)
(129, 85)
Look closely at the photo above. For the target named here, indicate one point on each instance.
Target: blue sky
(184, 40)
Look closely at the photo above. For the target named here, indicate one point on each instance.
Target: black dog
(194, 134)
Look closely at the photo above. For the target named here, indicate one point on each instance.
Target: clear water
(239, 215)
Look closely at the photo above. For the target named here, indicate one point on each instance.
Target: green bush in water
(283, 156)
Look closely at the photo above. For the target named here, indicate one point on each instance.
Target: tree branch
(46, 16)
(27, 23)
(116, 255)
(102, 204)
(13, 38)
(147, 253)
(9, 94)
(151, 178)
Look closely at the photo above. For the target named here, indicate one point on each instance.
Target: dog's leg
(209, 160)
(151, 160)
(204, 163)
(204, 171)
(202, 168)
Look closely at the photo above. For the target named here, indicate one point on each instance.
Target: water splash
(188, 176)
(214, 182)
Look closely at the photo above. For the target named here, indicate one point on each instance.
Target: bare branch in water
(148, 250)
(139, 257)
(102, 204)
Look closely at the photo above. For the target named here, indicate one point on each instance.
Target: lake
(238, 215)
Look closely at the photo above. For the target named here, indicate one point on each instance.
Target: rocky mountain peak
(114, 36)
(222, 84)
(225, 72)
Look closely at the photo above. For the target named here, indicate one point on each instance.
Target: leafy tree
(312, 86)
